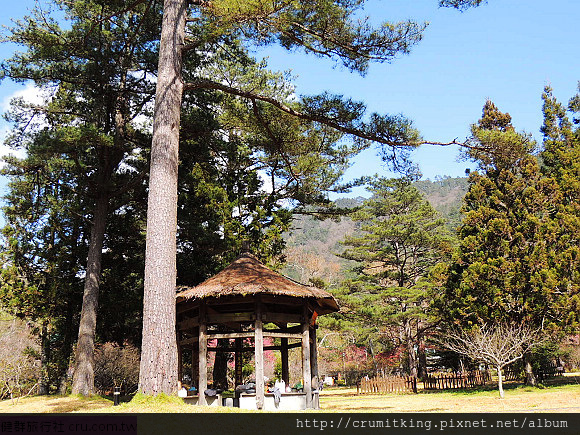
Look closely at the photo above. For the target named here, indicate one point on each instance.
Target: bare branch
(498, 345)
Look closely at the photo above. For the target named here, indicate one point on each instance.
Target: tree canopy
(83, 179)
(502, 270)
(323, 27)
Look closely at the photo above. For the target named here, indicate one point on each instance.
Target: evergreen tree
(88, 120)
(503, 270)
(326, 28)
(561, 161)
(83, 135)
(42, 257)
(401, 239)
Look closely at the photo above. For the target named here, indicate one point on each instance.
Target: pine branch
(210, 84)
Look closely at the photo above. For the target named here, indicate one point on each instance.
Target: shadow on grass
(79, 403)
(355, 408)
(562, 380)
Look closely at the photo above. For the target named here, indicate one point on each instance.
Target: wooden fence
(549, 371)
(456, 380)
(386, 385)
(544, 372)
(510, 374)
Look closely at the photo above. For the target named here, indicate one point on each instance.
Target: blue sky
(505, 50)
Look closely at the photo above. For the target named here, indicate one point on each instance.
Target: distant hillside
(312, 244)
(445, 195)
(311, 248)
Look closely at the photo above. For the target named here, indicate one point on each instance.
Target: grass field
(561, 395)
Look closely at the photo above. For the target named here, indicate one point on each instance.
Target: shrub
(116, 366)
(19, 365)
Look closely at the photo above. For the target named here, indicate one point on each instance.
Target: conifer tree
(100, 70)
(88, 121)
(326, 28)
(402, 238)
(224, 141)
(560, 160)
(502, 271)
(42, 255)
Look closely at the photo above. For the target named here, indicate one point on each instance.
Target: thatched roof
(248, 276)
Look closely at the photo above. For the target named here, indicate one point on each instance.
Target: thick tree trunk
(84, 376)
(159, 348)
(411, 353)
(530, 377)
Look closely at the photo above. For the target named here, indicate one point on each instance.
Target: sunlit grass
(518, 398)
(559, 395)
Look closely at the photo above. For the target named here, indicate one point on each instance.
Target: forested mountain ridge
(445, 194)
(312, 244)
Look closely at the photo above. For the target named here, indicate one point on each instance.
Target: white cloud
(266, 182)
(29, 93)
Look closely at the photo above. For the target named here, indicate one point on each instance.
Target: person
(299, 386)
(281, 385)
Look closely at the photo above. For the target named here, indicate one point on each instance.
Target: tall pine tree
(88, 120)
(326, 28)
(401, 239)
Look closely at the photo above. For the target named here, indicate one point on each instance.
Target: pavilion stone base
(210, 400)
(288, 402)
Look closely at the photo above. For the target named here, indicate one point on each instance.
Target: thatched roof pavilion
(235, 304)
(248, 276)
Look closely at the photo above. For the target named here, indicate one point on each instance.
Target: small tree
(116, 366)
(497, 345)
(402, 237)
(19, 365)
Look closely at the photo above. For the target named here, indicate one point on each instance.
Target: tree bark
(84, 377)
(530, 377)
(500, 382)
(159, 348)
(410, 344)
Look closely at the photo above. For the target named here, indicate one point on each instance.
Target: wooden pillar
(202, 352)
(238, 362)
(306, 373)
(314, 357)
(284, 359)
(195, 365)
(179, 363)
(259, 355)
(314, 365)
